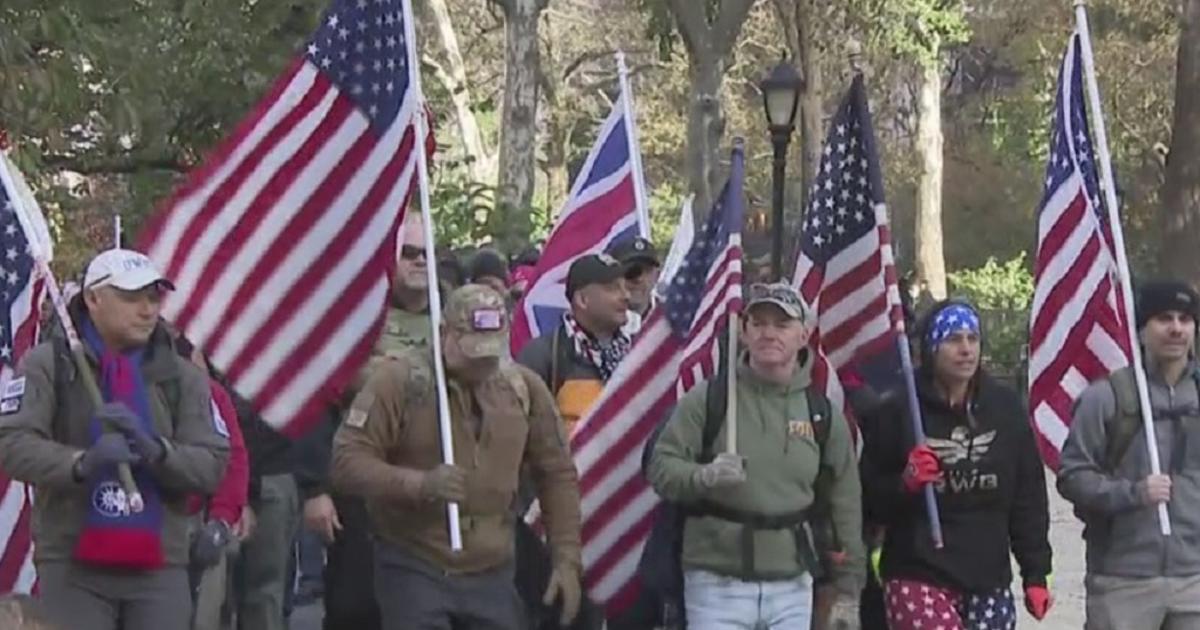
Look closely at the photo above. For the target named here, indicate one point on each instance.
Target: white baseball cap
(123, 269)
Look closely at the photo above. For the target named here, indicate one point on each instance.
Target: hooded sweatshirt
(776, 437)
(992, 499)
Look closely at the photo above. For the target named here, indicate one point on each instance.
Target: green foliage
(1002, 291)
(916, 29)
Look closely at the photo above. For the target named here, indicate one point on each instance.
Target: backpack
(1123, 426)
(660, 566)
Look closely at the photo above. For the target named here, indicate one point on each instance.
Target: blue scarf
(112, 534)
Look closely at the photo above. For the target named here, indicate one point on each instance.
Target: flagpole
(1114, 221)
(635, 150)
(731, 360)
(435, 294)
(124, 472)
(117, 230)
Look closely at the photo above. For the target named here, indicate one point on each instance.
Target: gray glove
(844, 614)
(724, 471)
(111, 449)
(209, 544)
(119, 417)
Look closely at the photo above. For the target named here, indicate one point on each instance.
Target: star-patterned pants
(913, 605)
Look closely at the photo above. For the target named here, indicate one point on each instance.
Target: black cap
(1155, 298)
(592, 269)
(635, 250)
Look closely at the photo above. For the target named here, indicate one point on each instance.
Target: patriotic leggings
(913, 605)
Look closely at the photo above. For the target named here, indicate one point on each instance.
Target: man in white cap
(100, 563)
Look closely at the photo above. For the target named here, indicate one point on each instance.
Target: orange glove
(1038, 601)
(923, 468)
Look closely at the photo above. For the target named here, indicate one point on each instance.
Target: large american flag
(22, 288)
(677, 347)
(282, 244)
(601, 211)
(845, 268)
(1078, 326)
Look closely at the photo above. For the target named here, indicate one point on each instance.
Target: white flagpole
(1114, 220)
(116, 230)
(435, 294)
(635, 149)
(731, 360)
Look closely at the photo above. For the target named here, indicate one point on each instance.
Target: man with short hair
(749, 556)
(502, 418)
(489, 268)
(578, 357)
(100, 563)
(1138, 578)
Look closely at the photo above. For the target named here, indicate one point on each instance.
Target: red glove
(1038, 601)
(923, 468)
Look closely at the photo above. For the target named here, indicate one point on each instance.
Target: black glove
(119, 417)
(111, 449)
(209, 543)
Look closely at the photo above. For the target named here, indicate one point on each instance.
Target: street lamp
(781, 98)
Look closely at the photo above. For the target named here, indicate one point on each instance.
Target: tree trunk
(705, 127)
(812, 107)
(708, 44)
(1181, 192)
(518, 134)
(931, 262)
(453, 75)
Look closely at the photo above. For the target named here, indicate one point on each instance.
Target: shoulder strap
(517, 381)
(1122, 427)
(716, 396)
(554, 361)
(820, 413)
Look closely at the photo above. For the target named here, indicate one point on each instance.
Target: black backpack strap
(64, 373)
(825, 538)
(716, 397)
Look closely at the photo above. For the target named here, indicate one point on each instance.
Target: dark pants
(349, 563)
(76, 596)
(414, 595)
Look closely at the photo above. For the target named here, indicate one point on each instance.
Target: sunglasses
(412, 252)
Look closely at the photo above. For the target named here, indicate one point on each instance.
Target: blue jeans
(717, 602)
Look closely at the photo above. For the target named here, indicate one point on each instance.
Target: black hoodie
(992, 499)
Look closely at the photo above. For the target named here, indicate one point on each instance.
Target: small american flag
(676, 348)
(283, 243)
(1078, 326)
(22, 288)
(845, 268)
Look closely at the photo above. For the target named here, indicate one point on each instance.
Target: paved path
(1065, 539)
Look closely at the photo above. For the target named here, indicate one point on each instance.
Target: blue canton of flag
(16, 272)
(723, 225)
(360, 45)
(1072, 151)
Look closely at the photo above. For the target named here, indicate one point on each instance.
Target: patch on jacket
(10, 399)
(219, 425)
(357, 417)
(800, 428)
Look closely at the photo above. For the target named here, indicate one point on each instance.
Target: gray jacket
(1122, 534)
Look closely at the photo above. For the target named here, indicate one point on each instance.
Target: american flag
(282, 244)
(22, 288)
(845, 268)
(601, 211)
(677, 347)
(1078, 326)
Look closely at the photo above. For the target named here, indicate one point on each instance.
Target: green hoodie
(782, 460)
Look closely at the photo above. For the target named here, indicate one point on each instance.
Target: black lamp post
(781, 99)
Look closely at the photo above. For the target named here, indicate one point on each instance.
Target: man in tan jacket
(502, 418)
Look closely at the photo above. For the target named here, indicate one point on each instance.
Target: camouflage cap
(782, 295)
(479, 313)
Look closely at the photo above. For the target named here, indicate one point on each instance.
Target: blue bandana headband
(949, 320)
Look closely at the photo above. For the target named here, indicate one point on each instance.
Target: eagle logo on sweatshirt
(962, 446)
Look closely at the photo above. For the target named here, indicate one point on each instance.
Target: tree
(709, 30)
(1181, 192)
(518, 132)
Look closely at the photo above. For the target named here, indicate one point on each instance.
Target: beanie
(1156, 298)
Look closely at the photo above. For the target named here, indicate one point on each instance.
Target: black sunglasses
(412, 252)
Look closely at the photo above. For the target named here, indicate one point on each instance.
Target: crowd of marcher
(807, 516)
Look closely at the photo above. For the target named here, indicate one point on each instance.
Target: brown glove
(445, 483)
(564, 585)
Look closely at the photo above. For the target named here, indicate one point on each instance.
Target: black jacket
(992, 499)
(270, 452)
